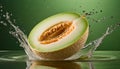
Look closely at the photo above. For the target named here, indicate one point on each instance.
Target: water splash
(88, 49)
(21, 37)
(96, 43)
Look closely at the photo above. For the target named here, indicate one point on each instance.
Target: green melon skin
(65, 49)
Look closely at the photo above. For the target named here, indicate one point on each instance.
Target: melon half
(59, 36)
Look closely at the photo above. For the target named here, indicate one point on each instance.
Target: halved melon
(59, 36)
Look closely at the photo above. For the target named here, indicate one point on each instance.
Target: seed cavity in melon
(56, 32)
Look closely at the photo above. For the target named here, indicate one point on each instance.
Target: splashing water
(98, 41)
(92, 46)
(17, 33)
(22, 38)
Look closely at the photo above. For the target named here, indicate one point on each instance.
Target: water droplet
(96, 12)
(11, 14)
(4, 24)
(83, 11)
(100, 10)
(1, 10)
(86, 13)
(111, 17)
(1, 21)
(1, 6)
(4, 15)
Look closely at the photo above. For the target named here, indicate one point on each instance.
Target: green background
(29, 12)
